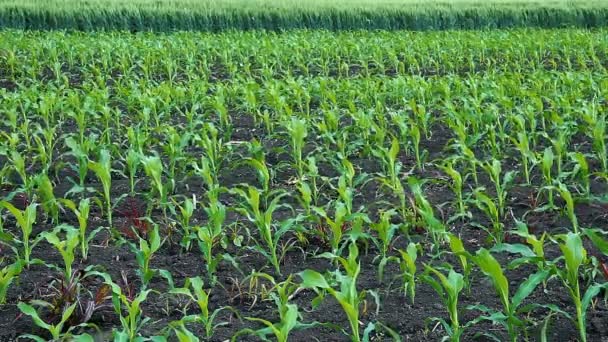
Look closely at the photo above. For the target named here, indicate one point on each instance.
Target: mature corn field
(303, 185)
(214, 15)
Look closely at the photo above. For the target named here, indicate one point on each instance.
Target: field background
(210, 15)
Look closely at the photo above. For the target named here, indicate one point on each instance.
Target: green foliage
(7, 276)
(448, 288)
(311, 14)
(193, 290)
(103, 171)
(347, 295)
(25, 220)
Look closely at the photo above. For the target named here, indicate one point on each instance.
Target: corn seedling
(508, 317)
(82, 214)
(407, 265)
(385, 232)
(297, 133)
(501, 183)
(210, 234)
(7, 276)
(487, 205)
(448, 288)
(456, 185)
(289, 316)
(144, 254)
(348, 296)
(575, 256)
(153, 167)
(186, 210)
(194, 291)
(103, 170)
(251, 207)
(25, 220)
(66, 246)
(425, 210)
(55, 330)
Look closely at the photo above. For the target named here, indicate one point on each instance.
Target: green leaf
(528, 287)
(30, 311)
(313, 279)
(491, 268)
(597, 240)
(514, 249)
(591, 292)
(83, 338)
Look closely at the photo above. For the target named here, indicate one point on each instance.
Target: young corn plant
(55, 330)
(390, 176)
(66, 246)
(18, 163)
(289, 316)
(252, 208)
(407, 265)
(7, 275)
(599, 142)
(390, 164)
(186, 210)
(546, 166)
(174, 148)
(487, 205)
(501, 183)
(528, 158)
(348, 296)
(508, 317)
(414, 132)
(582, 172)
(44, 189)
(133, 321)
(209, 235)
(533, 252)
(80, 151)
(103, 171)
(297, 129)
(566, 195)
(144, 254)
(575, 256)
(215, 151)
(425, 210)
(194, 291)
(448, 288)
(153, 166)
(132, 161)
(25, 220)
(457, 247)
(336, 224)
(346, 184)
(82, 214)
(385, 232)
(457, 187)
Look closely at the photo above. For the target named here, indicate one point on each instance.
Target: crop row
(181, 58)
